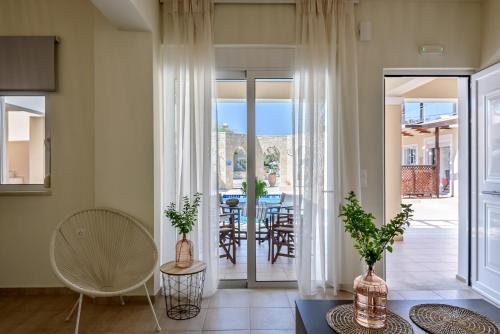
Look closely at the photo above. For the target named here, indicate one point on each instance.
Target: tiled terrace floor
(427, 258)
(281, 270)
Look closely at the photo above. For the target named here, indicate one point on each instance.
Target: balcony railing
(418, 181)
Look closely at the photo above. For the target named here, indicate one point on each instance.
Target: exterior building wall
(427, 140)
(18, 159)
(229, 142)
(37, 150)
(421, 140)
(393, 159)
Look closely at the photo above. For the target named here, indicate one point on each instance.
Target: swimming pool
(268, 199)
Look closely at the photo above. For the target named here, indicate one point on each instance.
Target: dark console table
(310, 314)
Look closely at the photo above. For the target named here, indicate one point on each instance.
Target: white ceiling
(396, 87)
(124, 14)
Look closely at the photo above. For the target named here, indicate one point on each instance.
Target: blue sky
(271, 118)
(432, 110)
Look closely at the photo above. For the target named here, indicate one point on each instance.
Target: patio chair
(227, 236)
(103, 253)
(264, 225)
(237, 212)
(282, 235)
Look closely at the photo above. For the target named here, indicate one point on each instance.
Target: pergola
(425, 127)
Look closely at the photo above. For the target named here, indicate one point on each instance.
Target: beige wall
(123, 121)
(490, 32)
(27, 222)
(398, 28)
(392, 159)
(254, 24)
(101, 126)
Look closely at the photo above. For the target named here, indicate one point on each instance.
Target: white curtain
(188, 89)
(326, 136)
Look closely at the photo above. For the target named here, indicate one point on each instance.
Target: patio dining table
(262, 211)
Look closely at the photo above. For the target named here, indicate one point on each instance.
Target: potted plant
(370, 299)
(184, 220)
(260, 188)
(271, 164)
(272, 174)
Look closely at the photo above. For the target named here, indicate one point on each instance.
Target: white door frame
(464, 161)
(251, 76)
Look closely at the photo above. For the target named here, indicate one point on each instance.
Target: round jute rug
(449, 319)
(340, 319)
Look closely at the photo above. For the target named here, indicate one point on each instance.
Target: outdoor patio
(427, 258)
(274, 224)
(281, 270)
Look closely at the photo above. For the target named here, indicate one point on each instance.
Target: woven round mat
(340, 319)
(448, 319)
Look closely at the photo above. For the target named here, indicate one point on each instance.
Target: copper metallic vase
(370, 301)
(184, 253)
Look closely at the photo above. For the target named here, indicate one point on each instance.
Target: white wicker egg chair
(103, 253)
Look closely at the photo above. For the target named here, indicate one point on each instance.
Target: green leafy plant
(184, 219)
(370, 240)
(271, 160)
(260, 187)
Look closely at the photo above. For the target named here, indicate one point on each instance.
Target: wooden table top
(311, 314)
(169, 268)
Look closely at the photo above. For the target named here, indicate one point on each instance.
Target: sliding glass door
(255, 178)
(275, 240)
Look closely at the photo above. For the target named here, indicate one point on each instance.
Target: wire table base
(183, 290)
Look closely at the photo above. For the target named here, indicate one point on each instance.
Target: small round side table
(183, 289)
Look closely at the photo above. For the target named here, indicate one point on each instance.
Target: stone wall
(229, 142)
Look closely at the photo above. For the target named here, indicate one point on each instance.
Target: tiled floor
(427, 258)
(281, 270)
(232, 311)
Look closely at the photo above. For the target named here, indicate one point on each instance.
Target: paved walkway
(427, 258)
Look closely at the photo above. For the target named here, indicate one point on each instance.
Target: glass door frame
(251, 76)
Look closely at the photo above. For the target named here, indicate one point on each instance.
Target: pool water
(268, 199)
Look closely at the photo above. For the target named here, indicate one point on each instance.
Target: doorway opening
(426, 165)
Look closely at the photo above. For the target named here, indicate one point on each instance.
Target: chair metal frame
(96, 293)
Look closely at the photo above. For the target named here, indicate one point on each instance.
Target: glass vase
(370, 301)
(184, 253)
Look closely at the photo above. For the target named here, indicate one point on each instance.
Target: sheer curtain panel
(188, 90)
(325, 137)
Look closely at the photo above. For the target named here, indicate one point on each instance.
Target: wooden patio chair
(227, 236)
(282, 235)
